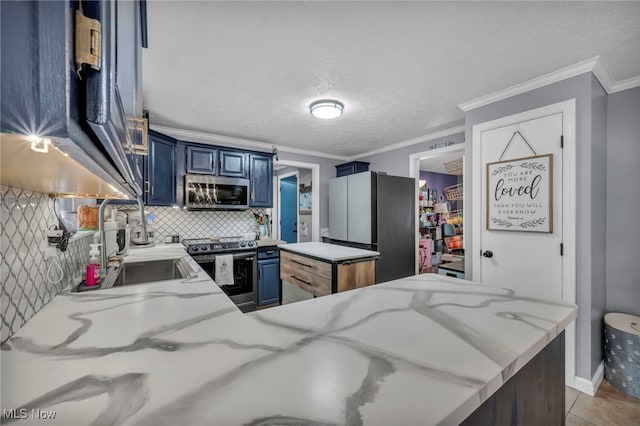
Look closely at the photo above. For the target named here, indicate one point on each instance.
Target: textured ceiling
(249, 70)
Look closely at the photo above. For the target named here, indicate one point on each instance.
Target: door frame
(295, 173)
(414, 172)
(568, 110)
(315, 197)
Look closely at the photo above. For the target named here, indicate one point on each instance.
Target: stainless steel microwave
(205, 192)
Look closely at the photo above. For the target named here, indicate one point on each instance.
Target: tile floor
(292, 293)
(610, 407)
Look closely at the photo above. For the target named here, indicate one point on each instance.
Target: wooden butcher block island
(322, 269)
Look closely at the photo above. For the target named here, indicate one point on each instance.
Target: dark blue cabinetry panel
(161, 171)
(233, 163)
(43, 95)
(261, 178)
(202, 160)
(351, 168)
(268, 282)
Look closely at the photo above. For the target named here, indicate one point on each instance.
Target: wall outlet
(54, 236)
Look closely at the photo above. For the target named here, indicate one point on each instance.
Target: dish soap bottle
(93, 267)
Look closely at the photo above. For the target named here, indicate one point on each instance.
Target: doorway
(289, 207)
(527, 246)
(439, 175)
(308, 211)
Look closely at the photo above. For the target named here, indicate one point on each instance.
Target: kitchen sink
(154, 270)
(146, 272)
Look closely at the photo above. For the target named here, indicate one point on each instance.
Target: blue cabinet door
(201, 160)
(351, 168)
(261, 180)
(233, 163)
(161, 171)
(268, 282)
(289, 209)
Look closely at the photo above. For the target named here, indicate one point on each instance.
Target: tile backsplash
(201, 224)
(27, 284)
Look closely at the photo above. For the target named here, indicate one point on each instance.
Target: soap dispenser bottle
(93, 267)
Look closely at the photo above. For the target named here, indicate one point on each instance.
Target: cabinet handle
(303, 264)
(269, 251)
(148, 186)
(299, 279)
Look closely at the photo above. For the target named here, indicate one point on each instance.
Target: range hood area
(55, 172)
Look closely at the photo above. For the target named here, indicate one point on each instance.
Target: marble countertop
(330, 252)
(422, 350)
(267, 242)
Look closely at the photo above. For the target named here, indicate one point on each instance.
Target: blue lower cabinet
(268, 281)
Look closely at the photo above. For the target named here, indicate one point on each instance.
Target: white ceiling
(250, 69)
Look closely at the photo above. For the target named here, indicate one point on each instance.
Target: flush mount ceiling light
(326, 109)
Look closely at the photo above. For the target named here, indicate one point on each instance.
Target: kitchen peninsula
(322, 269)
(424, 350)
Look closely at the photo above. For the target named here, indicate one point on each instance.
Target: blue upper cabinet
(161, 171)
(351, 168)
(233, 163)
(85, 109)
(261, 180)
(202, 160)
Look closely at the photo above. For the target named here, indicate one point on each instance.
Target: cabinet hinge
(561, 141)
(88, 41)
(561, 249)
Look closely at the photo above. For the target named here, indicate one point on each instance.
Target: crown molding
(593, 65)
(603, 75)
(232, 142)
(629, 83)
(412, 141)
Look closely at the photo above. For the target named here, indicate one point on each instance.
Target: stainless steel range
(243, 291)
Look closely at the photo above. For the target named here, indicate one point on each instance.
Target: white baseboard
(590, 386)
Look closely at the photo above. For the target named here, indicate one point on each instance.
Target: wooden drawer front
(356, 275)
(306, 264)
(315, 284)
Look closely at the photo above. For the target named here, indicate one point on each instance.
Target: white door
(530, 263)
(525, 261)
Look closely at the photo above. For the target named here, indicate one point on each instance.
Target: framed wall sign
(520, 194)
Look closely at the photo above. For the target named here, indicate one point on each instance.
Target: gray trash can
(622, 352)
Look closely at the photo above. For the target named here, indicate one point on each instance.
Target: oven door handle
(244, 256)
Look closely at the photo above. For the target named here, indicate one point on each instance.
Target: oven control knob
(250, 243)
(204, 247)
(242, 244)
(194, 248)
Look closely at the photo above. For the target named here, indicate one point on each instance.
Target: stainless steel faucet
(143, 223)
